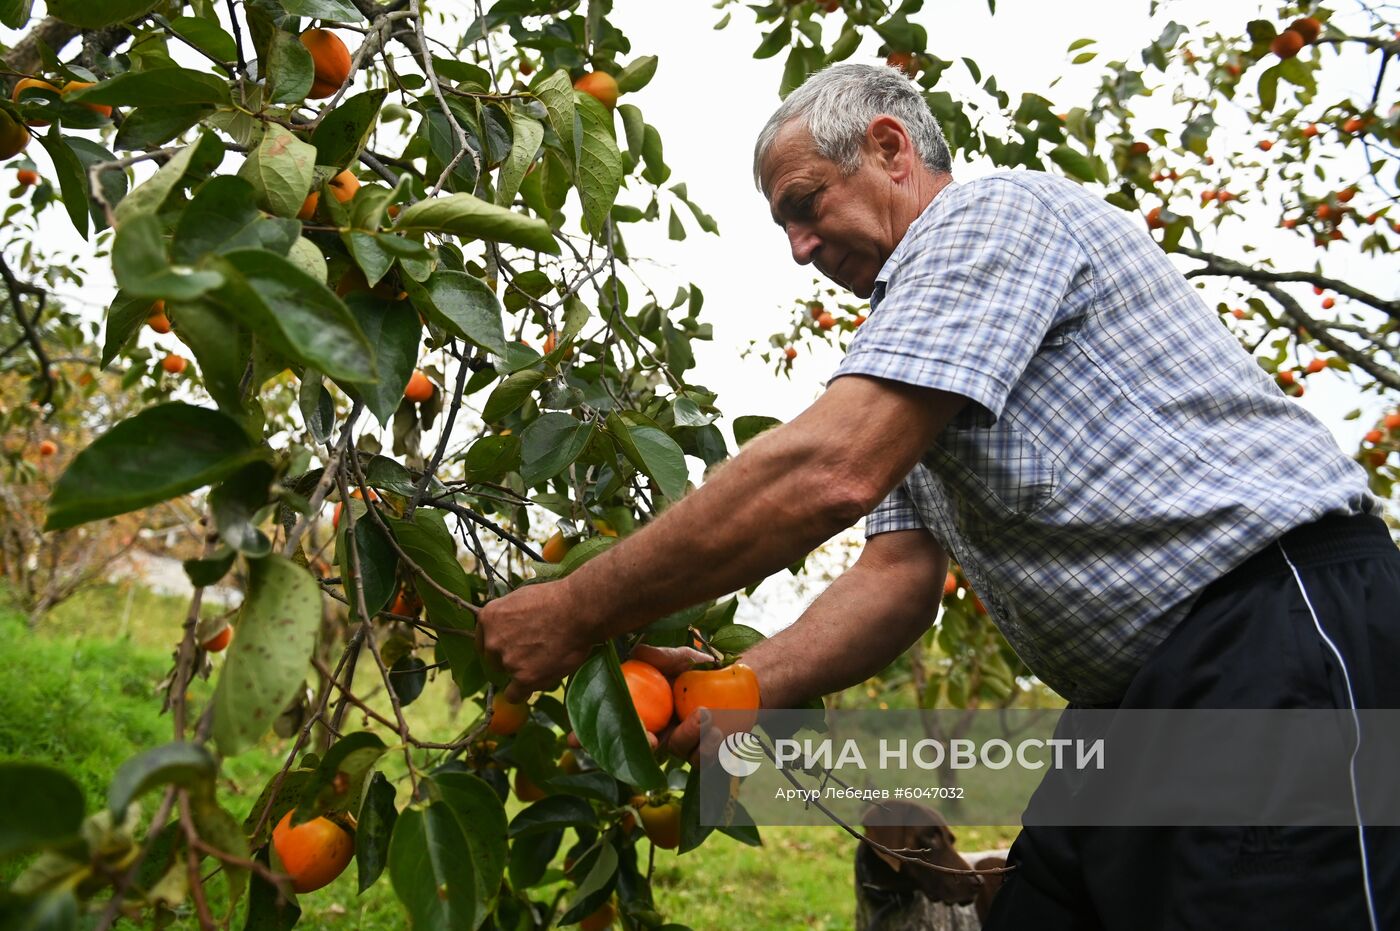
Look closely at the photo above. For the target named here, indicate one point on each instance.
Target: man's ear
(894, 836)
(888, 143)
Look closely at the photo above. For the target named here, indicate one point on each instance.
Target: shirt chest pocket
(996, 470)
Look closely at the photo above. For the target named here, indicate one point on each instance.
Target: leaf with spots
(268, 660)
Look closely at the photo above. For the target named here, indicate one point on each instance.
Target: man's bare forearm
(857, 627)
(758, 514)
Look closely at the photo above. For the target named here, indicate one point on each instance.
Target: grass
(81, 693)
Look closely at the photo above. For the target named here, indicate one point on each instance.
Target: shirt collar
(897, 256)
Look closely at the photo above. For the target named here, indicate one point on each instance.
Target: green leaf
(687, 414)
(491, 457)
(72, 179)
(511, 393)
(188, 766)
(375, 827)
(1196, 135)
(549, 444)
(553, 813)
(88, 15)
(408, 677)
(599, 162)
(659, 456)
(1268, 89)
(268, 660)
(656, 170)
(222, 831)
(144, 270)
(436, 884)
(735, 638)
(463, 305)
(130, 466)
(236, 504)
(224, 216)
(194, 162)
(159, 87)
(294, 313)
(290, 69)
(151, 127)
(379, 565)
(351, 758)
(637, 74)
(202, 572)
(583, 551)
(601, 712)
(45, 807)
(205, 34)
(470, 217)
(222, 349)
(556, 93)
(428, 542)
(124, 319)
(306, 255)
(280, 170)
(526, 134)
(693, 832)
(479, 811)
(750, 426)
(345, 130)
(1074, 163)
(16, 13)
(335, 11)
(267, 909)
(394, 332)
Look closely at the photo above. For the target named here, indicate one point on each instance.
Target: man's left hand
(535, 635)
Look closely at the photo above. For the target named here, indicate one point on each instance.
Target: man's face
(843, 224)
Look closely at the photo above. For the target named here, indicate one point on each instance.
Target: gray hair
(836, 105)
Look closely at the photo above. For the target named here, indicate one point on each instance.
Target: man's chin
(861, 289)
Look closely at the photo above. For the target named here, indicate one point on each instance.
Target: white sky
(710, 97)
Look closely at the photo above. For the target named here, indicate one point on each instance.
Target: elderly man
(1037, 391)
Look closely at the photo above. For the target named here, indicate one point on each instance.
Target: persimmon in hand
(651, 694)
(733, 688)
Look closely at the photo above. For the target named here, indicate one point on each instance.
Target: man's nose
(804, 243)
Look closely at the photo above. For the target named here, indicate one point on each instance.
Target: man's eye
(805, 205)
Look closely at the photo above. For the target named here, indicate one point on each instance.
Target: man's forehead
(791, 148)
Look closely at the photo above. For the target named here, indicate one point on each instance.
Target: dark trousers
(1249, 642)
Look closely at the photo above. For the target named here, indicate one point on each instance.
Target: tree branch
(1218, 266)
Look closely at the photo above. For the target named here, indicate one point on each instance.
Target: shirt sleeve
(896, 512)
(972, 296)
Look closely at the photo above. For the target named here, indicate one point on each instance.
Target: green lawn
(80, 693)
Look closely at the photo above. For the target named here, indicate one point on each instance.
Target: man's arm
(785, 494)
(859, 625)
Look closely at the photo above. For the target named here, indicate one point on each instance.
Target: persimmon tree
(396, 270)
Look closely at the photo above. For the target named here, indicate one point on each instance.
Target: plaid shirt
(1123, 450)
